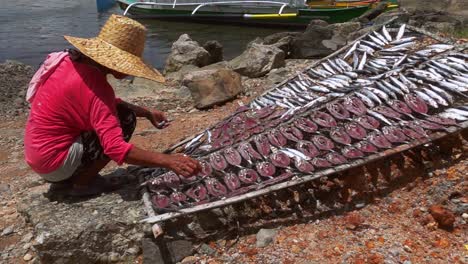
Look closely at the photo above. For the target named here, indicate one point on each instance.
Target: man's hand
(183, 165)
(157, 118)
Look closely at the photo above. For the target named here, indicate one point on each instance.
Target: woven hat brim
(115, 58)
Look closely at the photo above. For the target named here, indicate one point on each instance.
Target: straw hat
(119, 46)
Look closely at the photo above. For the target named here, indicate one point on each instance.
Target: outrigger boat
(258, 12)
(349, 3)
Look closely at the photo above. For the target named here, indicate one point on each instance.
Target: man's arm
(179, 163)
(157, 118)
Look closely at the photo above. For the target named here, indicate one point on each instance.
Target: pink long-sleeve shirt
(75, 98)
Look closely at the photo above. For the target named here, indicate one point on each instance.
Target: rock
(277, 75)
(7, 231)
(114, 257)
(14, 79)
(309, 44)
(206, 249)
(402, 17)
(265, 237)
(151, 252)
(212, 87)
(26, 238)
(178, 76)
(372, 13)
(440, 27)
(179, 249)
(185, 51)
(282, 40)
(27, 257)
(465, 216)
(458, 7)
(341, 31)
(442, 216)
(258, 60)
(215, 49)
(189, 260)
(218, 65)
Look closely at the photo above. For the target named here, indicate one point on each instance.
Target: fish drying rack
(328, 84)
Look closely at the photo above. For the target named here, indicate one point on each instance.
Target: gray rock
(265, 237)
(278, 75)
(206, 249)
(185, 51)
(309, 44)
(178, 76)
(282, 40)
(258, 60)
(440, 27)
(5, 190)
(372, 13)
(341, 31)
(215, 49)
(211, 87)
(402, 17)
(7, 231)
(179, 249)
(457, 7)
(151, 252)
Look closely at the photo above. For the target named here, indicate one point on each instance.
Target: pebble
(265, 237)
(27, 246)
(114, 257)
(465, 216)
(27, 257)
(27, 237)
(132, 251)
(8, 230)
(407, 249)
(189, 260)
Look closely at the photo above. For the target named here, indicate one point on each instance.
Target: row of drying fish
(310, 143)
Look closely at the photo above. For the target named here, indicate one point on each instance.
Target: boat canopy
(291, 3)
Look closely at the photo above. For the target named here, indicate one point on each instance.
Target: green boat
(254, 12)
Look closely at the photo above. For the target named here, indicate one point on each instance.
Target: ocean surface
(31, 29)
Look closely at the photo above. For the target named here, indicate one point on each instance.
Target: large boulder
(320, 39)
(258, 60)
(213, 86)
(457, 7)
(185, 51)
(215, 49)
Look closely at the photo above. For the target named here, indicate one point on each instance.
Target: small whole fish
(280, 159)
(323, 142)
(365, 99)
(215, 188)
(351, 50)
(351, 152)
(307, 148)
(355, 130)
(323, 119)
(338, 111)
(380, 117)
(401, 32)
(306, 125)
(266, 169)
(423, 98)
(416, 103)
(339, 135)
(335, 158)
(436, 97)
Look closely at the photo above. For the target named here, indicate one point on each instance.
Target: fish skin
(294, 153)
(403, 40)
(458, 111)
(365, 99)
(372, 96)
(338, 111)
(379, 117)
(280, 159)
(393, 88)
(328, 68)
(399, 61)
(362, 62)
(351, 50)
(417, 103)
(381, 94)
(335, 158)
(352, 152)
(355, 130)
(339, 135)
(355, 60)
(401, 32)
(323, 119)
(380, 37)
(376, 40)
(386, 34)
(452, 87)
(436, 97)
(444, 67)
(265, 169)
(454, 116)
(399, 84)
(442, 93)
(368, 122)
(344, 64)
(354, 105)
(322, 142)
